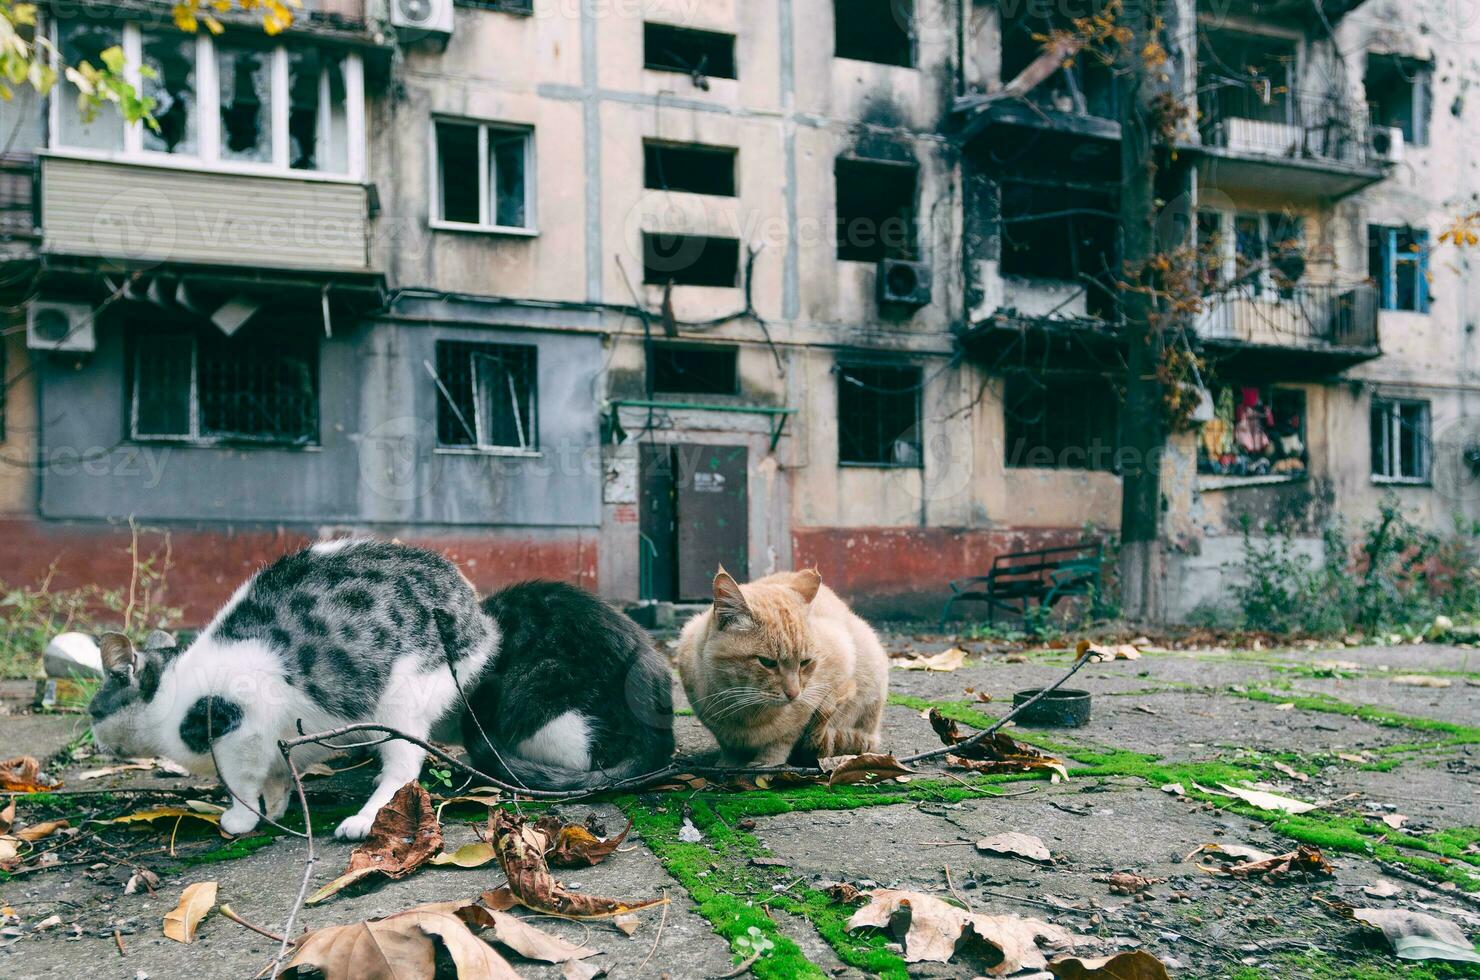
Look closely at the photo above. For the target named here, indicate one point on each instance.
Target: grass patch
(232, 850)
(1459, 734)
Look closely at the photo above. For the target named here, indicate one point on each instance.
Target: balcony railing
(17, 196)
(1287, 125)
(1302, 316)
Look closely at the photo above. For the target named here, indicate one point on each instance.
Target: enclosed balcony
(1294, 331)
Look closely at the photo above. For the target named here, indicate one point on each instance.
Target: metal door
(658, 557)
(712, 516)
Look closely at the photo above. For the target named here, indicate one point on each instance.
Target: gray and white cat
(353, 630)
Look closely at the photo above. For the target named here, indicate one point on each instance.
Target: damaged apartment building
(617, 293)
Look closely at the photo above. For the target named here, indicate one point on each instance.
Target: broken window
(876, 209)
(1061, 422)
(83, 41)
(1254, 432)
(171, 60)
(482, 175)
(690, 168)
(1400, 91)
(881, 31)
(1064, 233)
(198, 385)
(318, 116)
(1246, 76)
(1400, 440)
(1083, 84)
(1398, 261)
(689, 260)
(694, 369)
(487, 395)
(702, 54)
(879, 415)
(245, 78)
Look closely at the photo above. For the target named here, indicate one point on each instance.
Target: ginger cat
(781, 669)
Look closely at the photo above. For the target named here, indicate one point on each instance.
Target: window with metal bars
(1400, 440)
(879, 415)
(201, 386)
(487, 396)
(1061, 423)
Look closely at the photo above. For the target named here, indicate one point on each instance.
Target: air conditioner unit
(1387, 144)
(55, 325)
(903, 283)
(417, 19)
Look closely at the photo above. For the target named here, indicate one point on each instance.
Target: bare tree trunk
(1143, 427)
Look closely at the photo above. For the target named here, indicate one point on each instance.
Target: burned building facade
(617, 293)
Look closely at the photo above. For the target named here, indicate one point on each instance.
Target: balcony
(18, 231)
(1313, 147)
(1307, 331)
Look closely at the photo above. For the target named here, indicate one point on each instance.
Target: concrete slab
(1458, 703)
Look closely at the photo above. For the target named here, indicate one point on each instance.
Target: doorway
(694, 518)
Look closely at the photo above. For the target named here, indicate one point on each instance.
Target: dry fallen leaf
(1135, 964)
(37, 831)
(1421, 680)
(1382, 889)
(952, 659)
(193, 809)
(22, 774)
(196, 901)
(521, 847)
(998, 754)
(1395, 820)
(932, 930)
(870, 767)
(473, 855)
(7, 817)
(1128, 883)
(576, 846)
(1416, 936)
(627, 922)
(403, 837)
(134, 765)
(581, 970)
(521, 937)
(1304, 859)
(1011, 842)
(1269, 801)
(1098, 653)
(1175, 789)
(1293, 773)
(399, 947)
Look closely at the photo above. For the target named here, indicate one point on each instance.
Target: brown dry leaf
(521, 847)
(1421, 680)
(1269, 801)
(1011, 842)
(1135, 964)
(1293, 773)
(37, 831)
(581, 970)
(1382, 889)
(133, 765)
(468, 856)
(1127, 882)
(22, 774)
(1304, 859)
(842, 891)
(627, 922)
(7, 817)
(403, 837)
(521, 937)
(1395, 820)
(196, 901)
(1239, 852)
(932, 930)
(870, 767)
(10, 853)
(399, 947)
(1099, 653)
(1416, 936)
(193, 809)
(575, 846)
(998, 754)
(952, 659)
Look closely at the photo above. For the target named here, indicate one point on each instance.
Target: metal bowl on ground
(1063, 708)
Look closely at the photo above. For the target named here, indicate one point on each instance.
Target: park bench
(1019, 579)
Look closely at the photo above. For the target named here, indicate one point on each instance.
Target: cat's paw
(354, 828)
(276, 798)
(238, 820)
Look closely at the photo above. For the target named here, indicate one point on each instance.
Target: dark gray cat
(353, 630)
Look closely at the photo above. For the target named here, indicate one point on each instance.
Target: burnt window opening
(703, 54)
(1400, 440)
(1062, 233)
(690, 168)
(1061, 422)
(690, 260)
(881, 31)
(876, 210)
(1255, 431)
(691, 369)
(487, 396)
(1246, 76)
(195, 384)
(1400, 91)
(1084, 84)
(879, 415)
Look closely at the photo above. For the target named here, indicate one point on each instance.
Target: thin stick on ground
(230, 913)
(309, 862)
(656, 939)
(952, 886)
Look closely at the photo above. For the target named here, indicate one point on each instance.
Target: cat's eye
(767, 663)
(807, 662)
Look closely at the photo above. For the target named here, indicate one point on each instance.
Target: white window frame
(208, 116)
(1228, 248)
(486, 191)
(1391, 441)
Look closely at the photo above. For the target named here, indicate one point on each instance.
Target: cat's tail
(533, 774)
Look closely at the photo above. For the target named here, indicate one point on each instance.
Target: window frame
(1392, 258)
(1018, 451)
(917, 389)
(194, 438)
(911, 36)
(486, 190)
(1392, 410)
(478, 348)
(207, 114)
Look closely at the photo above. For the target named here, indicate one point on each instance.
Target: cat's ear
(118, 654)
(806, 583)
(730, 610)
